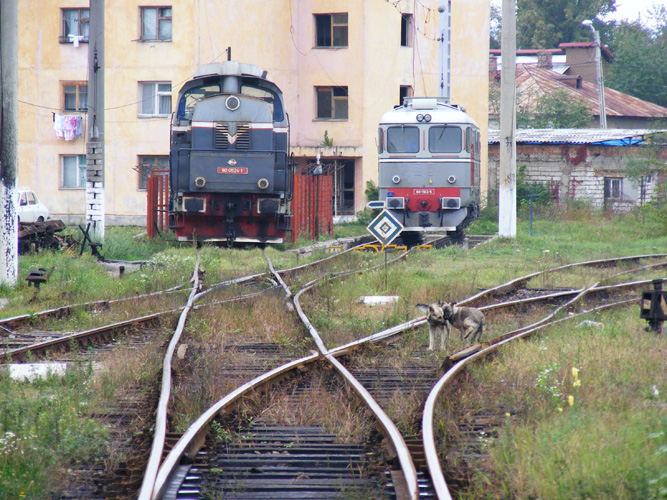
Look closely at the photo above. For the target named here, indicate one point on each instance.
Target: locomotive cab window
(267, 96)
(186, 106)
(380, 141)
(402, 140)
(444, 139)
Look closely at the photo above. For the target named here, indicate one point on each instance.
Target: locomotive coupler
(654, 307)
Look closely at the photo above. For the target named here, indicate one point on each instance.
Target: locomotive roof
(230, 68)
(438, 107)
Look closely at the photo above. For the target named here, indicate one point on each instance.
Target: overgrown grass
(45, 428)
(585, 414)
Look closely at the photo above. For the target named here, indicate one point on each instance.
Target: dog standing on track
(441, 316)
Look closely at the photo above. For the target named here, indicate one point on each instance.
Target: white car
(29, 209)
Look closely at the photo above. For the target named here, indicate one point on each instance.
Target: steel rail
(160, 428)
(390, 430)
(198, 427)
(509, 285)
(432, 459)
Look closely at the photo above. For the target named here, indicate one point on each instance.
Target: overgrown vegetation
(43, 423)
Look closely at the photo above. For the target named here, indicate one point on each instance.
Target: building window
(75, 25)
(73, 171)
(154, 98)
(332, 103)
(156, 23)
(331, 30)
(75, 96)
(406, 30)
(149, 163)
(404, 91)
(613, 188)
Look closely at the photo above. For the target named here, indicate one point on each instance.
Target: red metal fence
(157, 210)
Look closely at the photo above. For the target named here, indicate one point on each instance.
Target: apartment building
(340, 64)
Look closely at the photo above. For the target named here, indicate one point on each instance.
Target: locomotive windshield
(402, 140)
(444, 139)
(211, 87)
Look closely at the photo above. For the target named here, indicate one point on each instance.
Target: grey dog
(441, 316)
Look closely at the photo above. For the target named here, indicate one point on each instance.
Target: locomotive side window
(444, 139)
(402, 140)
(468, 140)
(380, 141)
(266, 96)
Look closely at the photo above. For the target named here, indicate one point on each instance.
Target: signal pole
(445, 18)
(95, 206)
(507, 170)
(9, 53)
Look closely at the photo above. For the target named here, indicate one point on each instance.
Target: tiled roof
(611, 136)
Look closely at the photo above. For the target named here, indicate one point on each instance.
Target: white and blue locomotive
(429, 167)
(230, 173)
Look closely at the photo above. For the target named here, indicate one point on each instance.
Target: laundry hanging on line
(69, 127)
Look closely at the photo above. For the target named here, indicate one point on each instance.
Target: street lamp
(598, 69)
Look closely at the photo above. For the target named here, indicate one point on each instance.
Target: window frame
(407, 29)
(142, 167)
(334, 100)
(611, 186)
(158, 18)
(64, 38)
(157, 94)
(81, 167)
(78, 84)
(333, 28)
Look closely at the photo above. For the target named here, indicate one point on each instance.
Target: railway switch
(654, 307)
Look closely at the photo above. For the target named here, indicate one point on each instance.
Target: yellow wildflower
(576, 383)
(570, 400)
(575, 373)
(560, 410)
(507, 415)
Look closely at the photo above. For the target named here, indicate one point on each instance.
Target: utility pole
(445, 39)
(9, 53)
(598, 72)
(507, 170)
(95, 206)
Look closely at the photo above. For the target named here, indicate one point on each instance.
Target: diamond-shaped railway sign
(385, 227)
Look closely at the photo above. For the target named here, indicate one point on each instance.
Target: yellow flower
(507, 415)
(576, 383)
(575, 373)
(560, 410)
(570, 400)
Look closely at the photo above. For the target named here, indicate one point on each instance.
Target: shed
(585, 164)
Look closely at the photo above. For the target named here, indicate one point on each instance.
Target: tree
(545, 25)
(640, 58)
(494, 32)
(558, 109)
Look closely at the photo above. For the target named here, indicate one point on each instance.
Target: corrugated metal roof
(609, 136)
(532, 82)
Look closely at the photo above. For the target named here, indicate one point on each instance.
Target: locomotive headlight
(451, 179)
(200, 182)
(427, 118)
(420, 117)
(396, 179)
(232, 103)
(263, 183)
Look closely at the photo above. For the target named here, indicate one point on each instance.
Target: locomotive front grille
(224, 140)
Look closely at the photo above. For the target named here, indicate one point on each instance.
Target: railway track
(421, 367)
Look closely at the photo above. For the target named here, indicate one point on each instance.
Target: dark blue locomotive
(230, 173)
(429, 167)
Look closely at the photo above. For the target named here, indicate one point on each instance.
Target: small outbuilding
(610, 168)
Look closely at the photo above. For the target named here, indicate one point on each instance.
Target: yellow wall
(277, 35)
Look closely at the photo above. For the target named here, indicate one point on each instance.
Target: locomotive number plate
(232, 170)
(417, 192)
